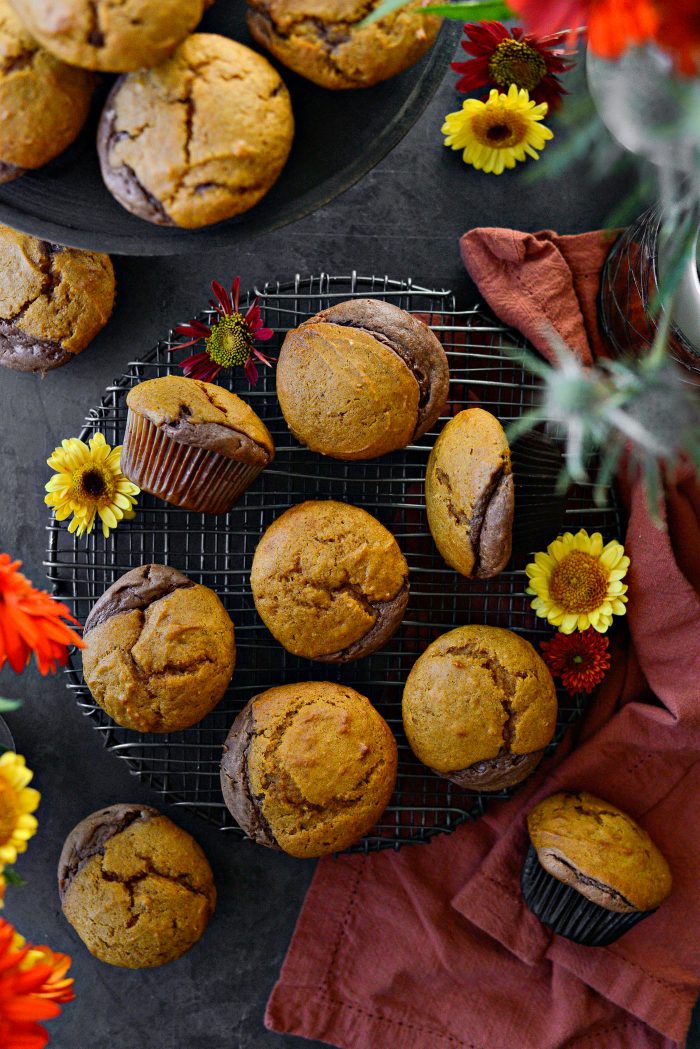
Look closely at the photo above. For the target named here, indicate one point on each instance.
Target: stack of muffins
(198, 127)
(308, 767)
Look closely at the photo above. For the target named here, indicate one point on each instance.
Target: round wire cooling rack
(183, 767)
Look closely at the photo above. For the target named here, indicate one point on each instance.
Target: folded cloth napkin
(432, 947)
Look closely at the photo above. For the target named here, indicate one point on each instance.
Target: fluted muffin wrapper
(567, 912)
(196, 479)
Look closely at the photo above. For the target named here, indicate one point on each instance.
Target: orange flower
(32, 621)
(613, 25)
(581, 660)
(32, 984)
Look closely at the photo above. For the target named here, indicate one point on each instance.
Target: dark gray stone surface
(403, 219)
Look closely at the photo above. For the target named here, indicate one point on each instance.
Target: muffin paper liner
(567, 912)
(196, 479)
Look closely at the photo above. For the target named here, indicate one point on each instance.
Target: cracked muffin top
(113, 36)
(322, 39)
(329, 581)
(204, 415)
(469, 494)
(53, 301)
(308, 768)
(159, 650)
(199, 138)
(477, 693)
(136, 888)
(361, 379)
(44, 102)
(593, 846)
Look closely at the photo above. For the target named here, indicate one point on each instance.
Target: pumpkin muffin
(329, 581)
(193, 443)
(479, 707)
(136, 888)
(198, 139)
(308, 768)
(159, 650)
(113, 36)
(469, 494)
(323, 40)
(53, 301)
(361, 379)
(591, 872)
(43, 102)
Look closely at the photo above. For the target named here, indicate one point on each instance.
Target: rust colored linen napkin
(432, 947)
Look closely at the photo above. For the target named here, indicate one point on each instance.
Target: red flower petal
(235, 292)
(251, 371)
(222, 296)
(194, 327)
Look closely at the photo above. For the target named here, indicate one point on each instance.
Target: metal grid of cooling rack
(183, 767)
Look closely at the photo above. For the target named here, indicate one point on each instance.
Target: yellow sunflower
(17, 802)
(89, 483)
(578, 583)
(495, 134)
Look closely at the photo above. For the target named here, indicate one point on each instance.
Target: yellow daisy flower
(578, 583)
(495, 134)
(90, 483)
(17, 803)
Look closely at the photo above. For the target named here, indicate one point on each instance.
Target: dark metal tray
(340, 136)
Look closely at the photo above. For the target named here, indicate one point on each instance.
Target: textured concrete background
(403, 219)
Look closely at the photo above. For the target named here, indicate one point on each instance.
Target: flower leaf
(12, 877)
(9, 704)
(470, 10)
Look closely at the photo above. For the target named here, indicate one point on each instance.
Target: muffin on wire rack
(193, 444)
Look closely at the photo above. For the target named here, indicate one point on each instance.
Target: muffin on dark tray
(324, 41)
(44, 102)
(198, 139)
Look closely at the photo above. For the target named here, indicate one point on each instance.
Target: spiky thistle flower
(644, 407)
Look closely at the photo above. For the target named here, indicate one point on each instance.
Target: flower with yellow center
(90, 483)
(496, 134)
(17, 803)
(578, 583)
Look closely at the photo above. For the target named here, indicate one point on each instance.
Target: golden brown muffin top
(110, 35)
(49, 292)
(180, 406)
(469, 494)
(344, 394)
(475, 692)
(602, 843)
(43, 101)
(206, 133)
(317, 573)
(144, 897)
(321, 765)
(161, 662)
(323, 39)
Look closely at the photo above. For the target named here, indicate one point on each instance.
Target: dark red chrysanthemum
(502, 56)
(230, 342)
(581, 660)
